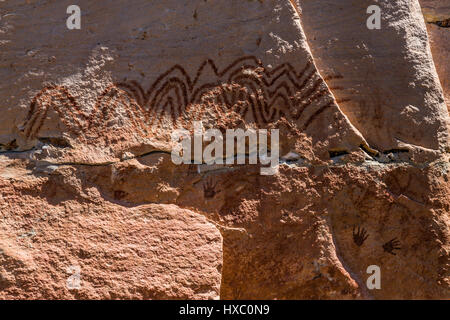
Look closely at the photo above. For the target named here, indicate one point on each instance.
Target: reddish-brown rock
(437, 16)
(87, 181)
(122, 252)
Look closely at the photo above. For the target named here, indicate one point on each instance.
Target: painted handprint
(359, 236)
(391, 245)
(209, 189)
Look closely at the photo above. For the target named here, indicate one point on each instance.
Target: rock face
(388, 82)
(145, 252)
(94, 207)
(437, 16)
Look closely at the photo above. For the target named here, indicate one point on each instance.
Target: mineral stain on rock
(87, 180)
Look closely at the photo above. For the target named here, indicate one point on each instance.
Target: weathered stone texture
(87, 180)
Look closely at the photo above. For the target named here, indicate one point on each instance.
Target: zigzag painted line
(249, 90)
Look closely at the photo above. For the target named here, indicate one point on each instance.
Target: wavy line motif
(245, 87)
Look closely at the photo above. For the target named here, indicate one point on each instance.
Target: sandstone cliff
(93, 207)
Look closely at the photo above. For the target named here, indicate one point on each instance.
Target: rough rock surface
(144, 252)
(437, 16)
(87, 180)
